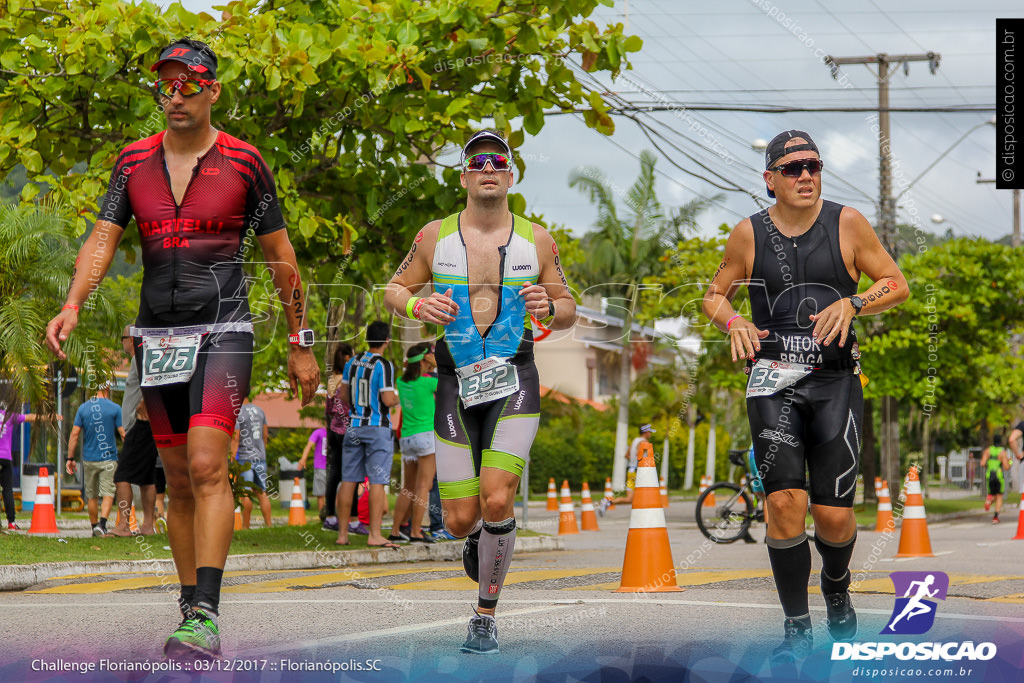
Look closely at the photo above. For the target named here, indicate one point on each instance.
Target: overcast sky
(755, 52)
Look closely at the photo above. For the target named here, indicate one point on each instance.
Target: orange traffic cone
(609, 493)
(566, 515)
(297, 512)
(705, 482)
(884, 519)
(1020, 520)
(647, 566)
(588, 520)
(914, 541)
(664, 492)
(238, 518)
(552, 495)
(44, 520)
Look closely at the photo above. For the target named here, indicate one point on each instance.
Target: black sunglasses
(795, 169)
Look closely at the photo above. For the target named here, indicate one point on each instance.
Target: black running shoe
(841, 620)
(483, 635)
(471, 556)
(798, 643)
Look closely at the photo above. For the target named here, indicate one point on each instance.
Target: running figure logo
(914, 613)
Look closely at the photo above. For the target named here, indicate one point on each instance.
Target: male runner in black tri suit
(194, 192)
(801, 260)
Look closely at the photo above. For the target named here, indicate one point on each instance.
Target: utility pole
(1016, 211)
(887, 64)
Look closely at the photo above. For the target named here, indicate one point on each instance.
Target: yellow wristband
(411, 309)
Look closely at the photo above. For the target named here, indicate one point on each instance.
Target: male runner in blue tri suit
(490, 271)
(802, 260)
(194, 192)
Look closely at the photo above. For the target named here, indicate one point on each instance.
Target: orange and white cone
(663, 489)
(44, 519)
(238, 518)
(588, 520)
(566, 515)
(884, 519)
(609, 494)
(1020, 520)
(705, 482)
(552, 495)
(647, 566)
(297, 511)
(914, 540)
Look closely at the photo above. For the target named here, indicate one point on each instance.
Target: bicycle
(729, 518)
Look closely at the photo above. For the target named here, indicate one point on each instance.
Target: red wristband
(416, 308)
(729, 321)
(71, 306)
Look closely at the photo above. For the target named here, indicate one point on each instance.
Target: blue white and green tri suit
(496, 433)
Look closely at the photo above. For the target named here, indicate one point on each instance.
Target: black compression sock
(208, 581)
(791, 565)
(835, 564)
(188, 594)
(103, 523)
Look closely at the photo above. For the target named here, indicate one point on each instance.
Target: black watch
(857, 304)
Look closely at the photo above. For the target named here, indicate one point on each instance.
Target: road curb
(945, 517)
(15, 577)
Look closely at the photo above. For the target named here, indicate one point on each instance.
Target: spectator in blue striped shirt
(368, 386)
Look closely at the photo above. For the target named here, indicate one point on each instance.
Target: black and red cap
(202, 61)
(777, 148)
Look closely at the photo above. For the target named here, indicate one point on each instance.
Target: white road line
(382, 633)
(551, 604)
(990, 545)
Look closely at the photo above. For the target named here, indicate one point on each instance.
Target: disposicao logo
(914, 613)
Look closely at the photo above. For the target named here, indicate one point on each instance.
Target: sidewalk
(21, 576)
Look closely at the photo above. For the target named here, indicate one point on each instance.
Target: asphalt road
(559, 618)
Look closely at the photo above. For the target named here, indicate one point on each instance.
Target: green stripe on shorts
(503, 461)
(467, 488)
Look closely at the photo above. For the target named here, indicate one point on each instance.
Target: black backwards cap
(777, 148)
(200, 61)
(484, 136)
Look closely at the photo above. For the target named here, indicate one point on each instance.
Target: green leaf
(407, 33)
(32, 160)
(632, 44)
(456, 105)
(273, 78)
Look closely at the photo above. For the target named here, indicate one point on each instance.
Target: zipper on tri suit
(501, 286)
(177, 215)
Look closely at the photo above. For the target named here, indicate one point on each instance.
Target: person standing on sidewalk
(801, 260)
(137, 462)
(368, 386)
(416, 391)
(250, 443)
(318, 444)
(9, 422)
(632, 460)
(98, 422)
(337, 423)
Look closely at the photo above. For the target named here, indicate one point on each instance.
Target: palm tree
(622, 251)
(37, 256)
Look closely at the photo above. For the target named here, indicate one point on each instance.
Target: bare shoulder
(543, 238)
(854, 223)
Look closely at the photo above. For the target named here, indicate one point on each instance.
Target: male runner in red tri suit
(196, 194)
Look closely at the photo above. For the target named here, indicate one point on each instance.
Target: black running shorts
(497, 434)
(211, 398)
(815, 425)
(136, 464)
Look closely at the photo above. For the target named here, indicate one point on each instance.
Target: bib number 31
(488, 380)
(169, 360)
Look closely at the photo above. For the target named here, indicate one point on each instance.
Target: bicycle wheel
(730, 516)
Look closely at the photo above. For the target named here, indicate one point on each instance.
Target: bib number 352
(488, 380)
(169, 360)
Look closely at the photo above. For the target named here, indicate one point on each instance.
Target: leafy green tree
(352, 104)
(37, 252)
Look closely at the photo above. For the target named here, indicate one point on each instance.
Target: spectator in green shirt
(416, 393)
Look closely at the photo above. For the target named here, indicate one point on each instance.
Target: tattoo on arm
(409, 259)
(880, 291)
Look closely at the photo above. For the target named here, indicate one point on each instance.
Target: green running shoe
(197, 636)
